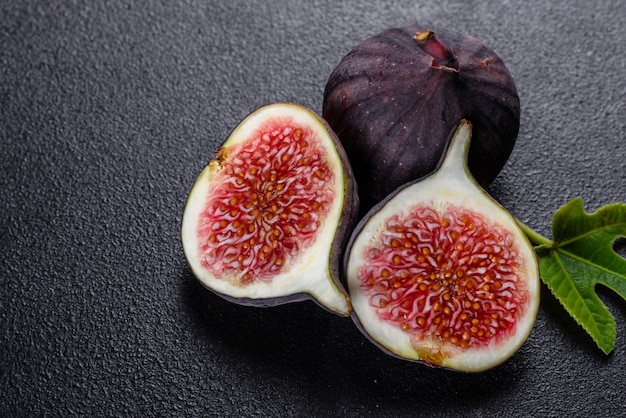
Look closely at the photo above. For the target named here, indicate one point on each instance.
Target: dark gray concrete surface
(108, 111)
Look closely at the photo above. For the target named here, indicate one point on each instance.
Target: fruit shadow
(304, 346)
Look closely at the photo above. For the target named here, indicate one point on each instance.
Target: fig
(394, 98)
(267, 219)
(440, 273)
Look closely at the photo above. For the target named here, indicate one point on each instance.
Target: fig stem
(443, 57)
(534, 237)
(457, 152)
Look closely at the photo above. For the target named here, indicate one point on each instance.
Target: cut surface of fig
(394, 98)
(267, 218)
(440, 273)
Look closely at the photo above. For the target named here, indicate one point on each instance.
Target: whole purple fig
(393, 100)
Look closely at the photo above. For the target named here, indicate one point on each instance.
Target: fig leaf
(581, 256)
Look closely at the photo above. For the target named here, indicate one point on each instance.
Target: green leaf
(581, 256)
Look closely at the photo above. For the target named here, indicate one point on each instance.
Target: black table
(109, 111)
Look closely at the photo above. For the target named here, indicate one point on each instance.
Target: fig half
(395, 97)
(268, 218)
(439, 272)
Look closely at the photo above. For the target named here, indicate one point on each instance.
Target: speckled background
(108, 111)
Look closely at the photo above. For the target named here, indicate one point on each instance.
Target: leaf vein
(583, 260)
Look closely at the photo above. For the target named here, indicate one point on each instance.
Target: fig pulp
(440, 273)
(267, 219)
(395, 97)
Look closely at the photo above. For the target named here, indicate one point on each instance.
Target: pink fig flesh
(267, 219)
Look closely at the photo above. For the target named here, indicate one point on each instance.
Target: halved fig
(268, 218)
(439, 272)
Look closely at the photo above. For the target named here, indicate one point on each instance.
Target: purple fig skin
(393, 100)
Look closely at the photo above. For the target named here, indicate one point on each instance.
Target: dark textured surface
(107, 114)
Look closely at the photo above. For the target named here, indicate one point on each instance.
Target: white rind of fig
(313, 272)
(451, 184)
